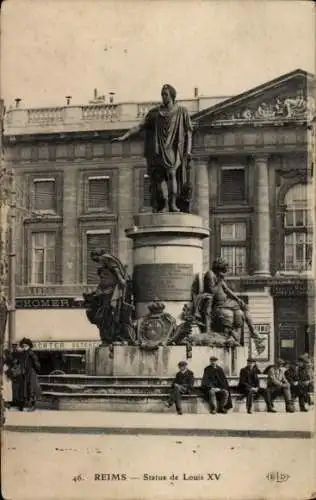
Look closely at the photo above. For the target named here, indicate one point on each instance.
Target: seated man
(249, 383)
(277, 385)
(215, 387)
(182, 384)
(291, 375)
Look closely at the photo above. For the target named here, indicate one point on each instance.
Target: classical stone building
(77, 190)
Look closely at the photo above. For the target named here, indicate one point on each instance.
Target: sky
(54, 48)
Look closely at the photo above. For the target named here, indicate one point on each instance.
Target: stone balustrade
(45, 116)
(103, 116)
(103, 112)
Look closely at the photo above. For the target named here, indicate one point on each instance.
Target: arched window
(298, 227)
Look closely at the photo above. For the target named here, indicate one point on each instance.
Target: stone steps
(130, 393)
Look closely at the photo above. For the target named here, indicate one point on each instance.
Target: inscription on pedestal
(163, 281)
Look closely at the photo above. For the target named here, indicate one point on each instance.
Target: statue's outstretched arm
(132, 131)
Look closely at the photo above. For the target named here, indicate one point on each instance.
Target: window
(96, 240)
(44, 195)
(146, 192)
(234, 246)
(298, 226)
(233, 185)
(98, 192)
(43, 253)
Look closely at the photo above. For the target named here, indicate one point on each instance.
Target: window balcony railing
(296, 267)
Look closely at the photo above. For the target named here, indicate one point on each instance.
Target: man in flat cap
(249, 383)
(277, 384)
(182, 384)
(215, 387)
(297, 386)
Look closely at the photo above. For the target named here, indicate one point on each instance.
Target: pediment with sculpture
(285, 99)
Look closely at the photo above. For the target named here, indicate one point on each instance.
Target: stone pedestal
(131, 361)
(167, 258)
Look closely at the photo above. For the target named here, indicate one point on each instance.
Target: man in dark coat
(182, 384)
(215, 387)
(297, 388)
(29, 389)
(305, 377)
(249, 383)
(14, 373)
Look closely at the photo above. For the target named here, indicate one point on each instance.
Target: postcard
(157, 250)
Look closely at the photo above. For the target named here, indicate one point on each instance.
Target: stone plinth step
(138, 402)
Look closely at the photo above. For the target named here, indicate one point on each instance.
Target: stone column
(167, 256)
(203, 204)
(261, 227)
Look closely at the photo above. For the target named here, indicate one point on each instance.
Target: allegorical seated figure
(104, 306)
(222, 310)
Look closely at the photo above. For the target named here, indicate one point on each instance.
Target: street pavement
(260, 424)
(37, 465)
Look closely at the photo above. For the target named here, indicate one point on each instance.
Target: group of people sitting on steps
(290, 380)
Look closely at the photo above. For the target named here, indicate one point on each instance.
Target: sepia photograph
(157, 249)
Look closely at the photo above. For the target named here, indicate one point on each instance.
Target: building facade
(253, 186)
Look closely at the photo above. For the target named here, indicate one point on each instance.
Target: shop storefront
(63, 338)
(293, 319)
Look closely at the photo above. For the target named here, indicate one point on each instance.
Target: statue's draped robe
(166, 135)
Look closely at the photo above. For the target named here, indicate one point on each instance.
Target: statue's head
(96, 254)
(220, 266)
(168, 94)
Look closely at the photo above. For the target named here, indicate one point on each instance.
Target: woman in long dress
(29, 387)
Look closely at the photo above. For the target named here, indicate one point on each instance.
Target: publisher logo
(277, 477)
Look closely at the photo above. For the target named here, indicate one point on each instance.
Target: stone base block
(125, 360)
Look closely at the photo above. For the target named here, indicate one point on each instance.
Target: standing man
(215, 387)
(182, 384)
(249, 383)
(277, 384)
(305, 377)
(168, 144)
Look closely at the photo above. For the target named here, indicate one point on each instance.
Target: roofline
(253, 92)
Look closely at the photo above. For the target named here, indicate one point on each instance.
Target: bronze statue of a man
(168, 144)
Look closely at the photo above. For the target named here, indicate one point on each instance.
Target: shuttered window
(233, 185)
(100, 240)
(146, 192)
(43, 263)
(44, 195)
(98, 193)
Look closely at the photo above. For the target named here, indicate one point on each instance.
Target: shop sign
(49, 303)
(65, 345)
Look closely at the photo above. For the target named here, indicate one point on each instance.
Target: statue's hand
(118, 139)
